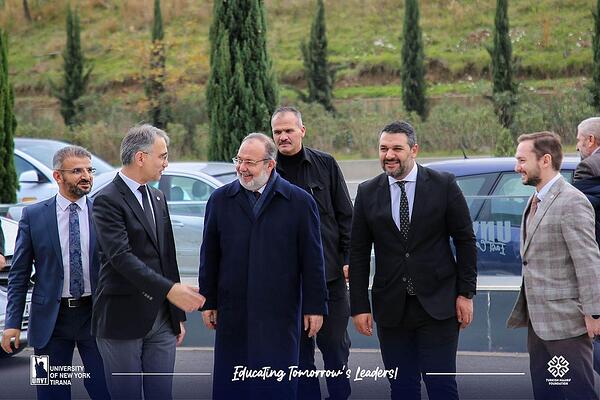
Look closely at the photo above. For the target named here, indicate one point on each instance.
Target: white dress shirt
(410, 183)
(133, 186)
(62, 216)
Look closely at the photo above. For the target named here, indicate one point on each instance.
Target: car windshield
(43, 151)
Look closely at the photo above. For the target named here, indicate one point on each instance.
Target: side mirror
(30, 176)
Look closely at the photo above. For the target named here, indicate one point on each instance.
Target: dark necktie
(75, 265)
(148, 209)
(256, 195)
(404, 227)
(404, 212)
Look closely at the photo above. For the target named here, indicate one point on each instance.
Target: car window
(510, 185)
(185, 195)
(24, 166)
(472, 185)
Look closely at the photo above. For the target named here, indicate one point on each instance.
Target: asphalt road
(510, 380)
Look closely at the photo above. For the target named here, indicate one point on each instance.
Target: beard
(256, 183)
(533, 178)
(399, 171)
(77, 191)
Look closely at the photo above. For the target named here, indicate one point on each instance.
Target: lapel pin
(157, 198)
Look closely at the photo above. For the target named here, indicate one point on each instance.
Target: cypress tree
(595, 86)
(317, 72)
(241, 90)
(155, 82)
(8, 125)
(413, 67)
(75, 76)
(503, 88)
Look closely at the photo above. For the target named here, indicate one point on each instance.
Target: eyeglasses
(239, 161)
(79, 171)
(163, 157)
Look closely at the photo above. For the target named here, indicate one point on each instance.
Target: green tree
(241, 90)
(318, 74)
(155, 82)
(504, 90)
(8, 124)
(76, 75)
(595, 86)
(413, 67)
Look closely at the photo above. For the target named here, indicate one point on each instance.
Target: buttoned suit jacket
(561, 266)
(439, 213)
(589, 167)
(137, 268)
(38, 242)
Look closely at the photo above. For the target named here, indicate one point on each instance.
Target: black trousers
(334, 343)
(73, 329)
(420, 344)
(577, 351)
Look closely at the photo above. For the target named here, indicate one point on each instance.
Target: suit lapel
(135, 206)
(420, 200)
(237, 192)
(92, 250)
(52, 224)
(543, 207)
(157, 206)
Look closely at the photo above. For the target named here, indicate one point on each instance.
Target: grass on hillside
(551, 38)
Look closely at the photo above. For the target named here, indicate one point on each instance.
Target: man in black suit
(2, 259)
(421, 292)
(139, 310)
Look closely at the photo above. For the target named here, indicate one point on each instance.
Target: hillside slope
(551, 38)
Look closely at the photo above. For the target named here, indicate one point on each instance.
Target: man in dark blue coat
(261, 267)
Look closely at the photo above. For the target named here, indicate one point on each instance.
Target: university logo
(558, 366)
(38, 370)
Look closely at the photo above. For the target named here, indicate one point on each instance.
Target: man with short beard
(59, 236)
(559, 300)
(421, 293)
(261, 271)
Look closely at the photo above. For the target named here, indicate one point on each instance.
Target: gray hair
(270, 148)
(590, 126)
(401, 127)
(140, 138)
(67, 152)
(287, 109)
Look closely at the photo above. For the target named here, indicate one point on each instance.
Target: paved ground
(14, 376)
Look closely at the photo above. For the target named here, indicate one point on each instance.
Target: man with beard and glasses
(422, 293)
(319, 174)
(559, 300)
(261, 271)
(59, 236)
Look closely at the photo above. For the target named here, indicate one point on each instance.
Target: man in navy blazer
(262, 273)
(59, 236)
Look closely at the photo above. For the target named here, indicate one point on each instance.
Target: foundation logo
(558, 366)
(38, 370)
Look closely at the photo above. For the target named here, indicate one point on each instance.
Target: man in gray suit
(559, 301)
(588, 143)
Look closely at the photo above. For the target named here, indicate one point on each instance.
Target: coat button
(407, 255)
(524, 262)
(403, 279)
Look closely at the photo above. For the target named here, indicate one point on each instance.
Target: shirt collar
(544, 191)
(64, 203)
(131, 184)
(411, 177)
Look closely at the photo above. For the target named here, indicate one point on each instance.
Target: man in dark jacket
(319, 174)
(261, 270)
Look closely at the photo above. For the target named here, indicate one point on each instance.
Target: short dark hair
(545, 143)
(67, 152)
(401, 127)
